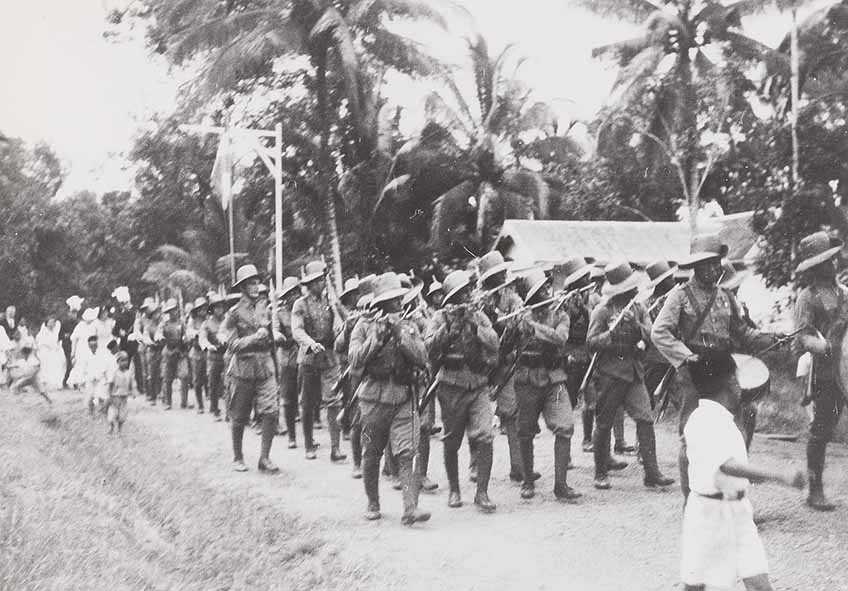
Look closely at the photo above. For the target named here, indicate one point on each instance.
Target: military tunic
(196, 358)
(214, 362)
(173, 335)
(153, 358)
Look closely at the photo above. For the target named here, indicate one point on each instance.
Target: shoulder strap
(700, 315)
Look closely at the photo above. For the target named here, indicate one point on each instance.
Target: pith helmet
(244, 273)
(491, 264)
(704, 247)
(312, 271)
(620, 278)
(289, 283)
(388, 287)
(536, 279)
(454, 282)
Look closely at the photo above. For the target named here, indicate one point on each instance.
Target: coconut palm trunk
(794, 84)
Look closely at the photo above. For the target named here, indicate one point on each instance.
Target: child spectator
(95, 371)
(26, 369)
(121, 387)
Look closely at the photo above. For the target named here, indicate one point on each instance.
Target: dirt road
(626, 538)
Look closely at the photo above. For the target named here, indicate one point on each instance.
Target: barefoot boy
(720, 541)
(121, 387)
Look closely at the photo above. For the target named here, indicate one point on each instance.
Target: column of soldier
(378, 356)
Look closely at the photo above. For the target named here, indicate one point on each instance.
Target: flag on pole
(222, 171)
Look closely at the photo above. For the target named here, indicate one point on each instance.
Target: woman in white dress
(51, 355)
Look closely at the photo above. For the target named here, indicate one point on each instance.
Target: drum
(753, 377)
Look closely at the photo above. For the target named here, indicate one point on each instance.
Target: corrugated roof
(531, 242)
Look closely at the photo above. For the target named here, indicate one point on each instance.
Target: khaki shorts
(247, 392)
(465, 410)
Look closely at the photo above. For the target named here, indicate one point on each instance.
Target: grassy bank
(81, 510)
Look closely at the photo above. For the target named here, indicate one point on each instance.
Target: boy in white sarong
(720, 541)
(95, 371)
(121, 386)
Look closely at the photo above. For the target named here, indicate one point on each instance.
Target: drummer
(700, 317)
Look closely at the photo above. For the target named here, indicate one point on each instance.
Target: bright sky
(65, 84)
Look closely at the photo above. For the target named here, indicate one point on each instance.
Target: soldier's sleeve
(363, 344)
(342, 342)
(808, 340)
(557, 335)
(644, 320)
(486, 334)
(411, 344)
(742, 332)
(298, 325)
(229, 335)
(664, 332)
(598, 336)
(436, 335)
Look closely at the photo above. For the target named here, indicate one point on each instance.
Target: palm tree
(659, 70)
(240, 41)
(466, 164)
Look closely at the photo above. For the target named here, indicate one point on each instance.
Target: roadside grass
(81, 510)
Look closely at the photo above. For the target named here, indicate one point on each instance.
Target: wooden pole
(278, 204)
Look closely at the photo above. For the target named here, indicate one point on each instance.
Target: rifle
(594, 361)
(561, 298)
(274, 327)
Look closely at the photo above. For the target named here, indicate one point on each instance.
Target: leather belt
(738, 496)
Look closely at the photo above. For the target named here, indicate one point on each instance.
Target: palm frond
(218, 32)
(333, 24)
(395, 191)
(437, 111)
(623, 50)
(745, 47)
(634, 11)
(403, 54)
(532, 186)
(540, 116)
(414, 10)
(449, 211)
(638, 75)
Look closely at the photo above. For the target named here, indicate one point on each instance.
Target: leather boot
(600, 447)
(424, 463)
(411, 489)
(515, 460)
(307, 422)
(335, 436)
(528, 489)
(648, 448)
(588, 417)
(472, 461)
(371, 480)
(562, 457)
(356, 450)
(452, 470)
(290, 413)
(816, 499)
(269, 429)
(484, 472)
(237, 433)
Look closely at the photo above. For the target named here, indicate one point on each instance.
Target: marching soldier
(417, 314)
(619, 330)
(363, 289)
(699, 317)
(540, 385)
(386, 350)
(318, 368)
(498, 298)
(435, 295)
(661, 276)
(196, 351)
(172, 334)
(214, 353)
(246, 331)
(820, 313)
(463, 349)
(287, 356)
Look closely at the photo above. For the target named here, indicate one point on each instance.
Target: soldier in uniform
(463, 348)
(286, 349)
(214, 353)
(363, 289)
(196, 351)
(820, 314)
(172, 335)
(699, 317)
(619, 330)
(435, 295)
(246, 331)
(540, 385)
(661, 276)
(498, 297)
(318, 368)
(386, 350)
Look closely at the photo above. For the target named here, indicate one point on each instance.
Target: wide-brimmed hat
(312, 271)
(232, 298)
(596, 273)
(412, 294)
(681, 275)
(659, 271)
(148, 304)
(574, 269)
(620, 278)
(199, 302)
(731, 278)
(388, 287)
(491, 264)
(121, 294)
(289, 283)
(454, 282)
(815, 249)
(351, 284)
(244, 273)
(535, 280)
(90, 315)
(75, 302)
(703, 248)
(435, 288)
(216, 300)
